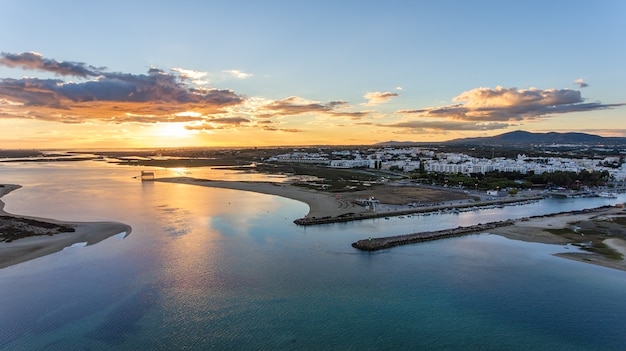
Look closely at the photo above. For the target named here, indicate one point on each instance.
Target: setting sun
(173, 130)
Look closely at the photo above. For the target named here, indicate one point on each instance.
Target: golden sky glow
(261, 76)
(165, 109)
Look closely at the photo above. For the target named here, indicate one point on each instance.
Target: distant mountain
(520, 138)
(392, 143)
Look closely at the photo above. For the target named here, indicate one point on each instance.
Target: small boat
(607, 195)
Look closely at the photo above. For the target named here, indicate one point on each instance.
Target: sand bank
(534, 230)
(617, 244)
(327, 207)
(25, 249)
(320, 204)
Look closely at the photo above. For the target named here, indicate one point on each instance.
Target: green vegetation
(331, 179)
(589, 240)
(560, 231)
(509, 180)
(620, 220)
(601, 248)
(13, 228)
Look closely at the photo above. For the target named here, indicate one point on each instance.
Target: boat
(607, 195)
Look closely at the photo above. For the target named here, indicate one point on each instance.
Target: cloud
(445, 126)
(268, 125)
(36, 61)
(510, 104)
(294, 105)
(581, 83)
(180, 95)
(399, 88)
(190, 74)
(219, 123)
(238, 74)
(287, 130)
(112, 96)
(377, 97)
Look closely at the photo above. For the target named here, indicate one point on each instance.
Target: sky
(125, 74)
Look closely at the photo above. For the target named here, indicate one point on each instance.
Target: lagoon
(221, 269)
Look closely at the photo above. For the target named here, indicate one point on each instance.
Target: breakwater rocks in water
(346, 217)
(373, 244)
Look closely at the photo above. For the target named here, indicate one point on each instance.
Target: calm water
(221, 269)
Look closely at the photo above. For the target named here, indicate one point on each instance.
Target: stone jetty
(373, 244)
(347, 217)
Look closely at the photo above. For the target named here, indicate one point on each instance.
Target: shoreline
(325, 208)
(320, 204)
(530, 229)
(28, 248)
(536, 230)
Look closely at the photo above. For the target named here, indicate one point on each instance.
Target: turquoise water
(221, 269)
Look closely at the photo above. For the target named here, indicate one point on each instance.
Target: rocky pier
(347, 217)
(373, 244)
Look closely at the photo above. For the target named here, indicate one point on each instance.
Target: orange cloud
(294, 105)
(219, 123)
(510, 104)
(155, 97)
(377, 97)
(119, 97)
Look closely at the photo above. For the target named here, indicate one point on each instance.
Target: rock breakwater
(373, 244)
(347, 217)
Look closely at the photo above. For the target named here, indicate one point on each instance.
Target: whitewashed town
(410, 159)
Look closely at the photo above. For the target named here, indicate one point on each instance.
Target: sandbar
(32, 247)
(327, 207)
(535, 230)
(617, 244)
(320, 204)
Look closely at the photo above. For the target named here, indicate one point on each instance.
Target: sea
(219, 269)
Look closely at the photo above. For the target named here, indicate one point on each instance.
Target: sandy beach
(327, 207)
(534, 230)
(320, 204)
(29, 248)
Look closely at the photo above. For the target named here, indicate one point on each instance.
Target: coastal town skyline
(278, 73)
